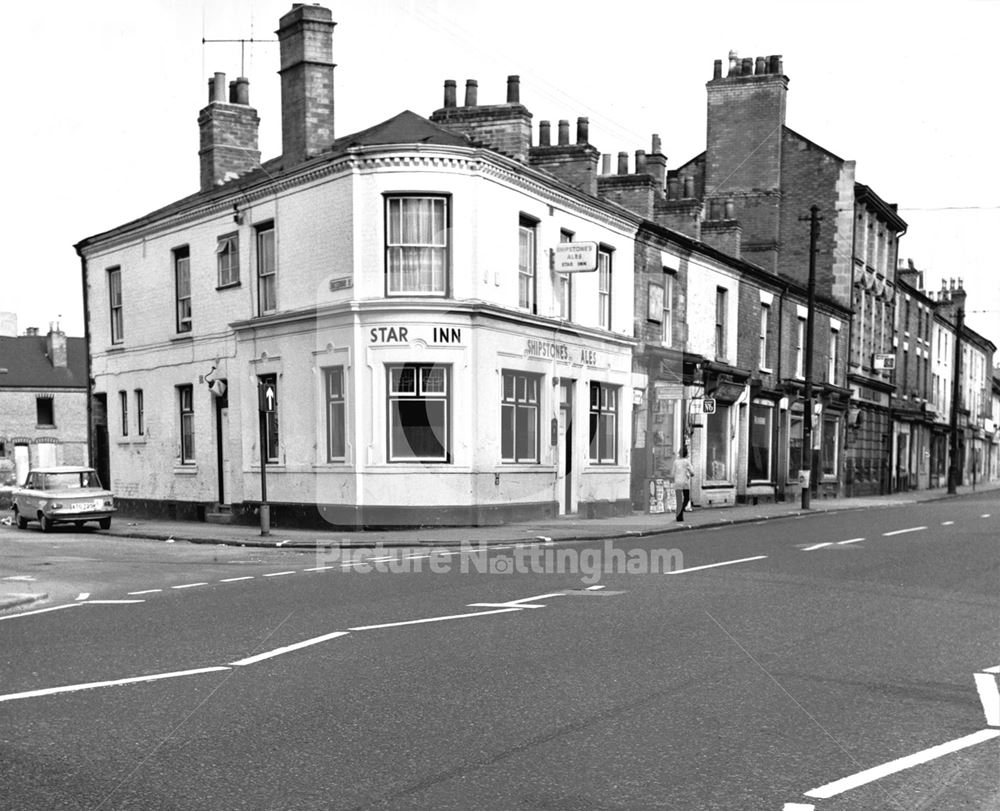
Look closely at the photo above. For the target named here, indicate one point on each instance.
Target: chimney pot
(243, 91)
(605, 164)
(450, 93)
(747, 69)
(544, 133)
(471, 93)
(623, 163)
(232, 92)
(730, 209)
(219, 87)
(688, 187)
(657, 145)
(717, 69)
(759, 66)
(673, 188)
(564, 132)
(734, 64)
(582, 130)
(775, 64)
(513, 89)
(640, 161)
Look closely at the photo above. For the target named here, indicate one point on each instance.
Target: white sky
(103, 100)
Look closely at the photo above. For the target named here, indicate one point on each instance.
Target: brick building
(43, 400)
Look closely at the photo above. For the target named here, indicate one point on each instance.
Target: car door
(27, 501)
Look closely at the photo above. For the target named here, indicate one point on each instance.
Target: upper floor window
(765, 326)
(564, 284)
(416, 246)
(45, 412)
(800, 348)
(115, 305)
(526, 264)
(267, 270)
(228, 258)
(182, 287)
(604, 288)
(831, 372)
(667, 327)
(721, 313)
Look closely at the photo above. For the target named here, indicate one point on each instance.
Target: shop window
(267, 270)
(227, 252)
(717, 443)
(519, 418)
(419, 413)
(603, 424)
(182, 288)
(115, 305)
(336, 441)
(185, 398)
(270, 418)
(759, 461)
(45, 412)
(416, 246)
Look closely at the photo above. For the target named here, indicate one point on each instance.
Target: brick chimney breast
(56, 347)
(228, 130)
(504, 128)
(305, 35)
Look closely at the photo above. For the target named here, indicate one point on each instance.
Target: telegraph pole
(954, 473)
(807, 450)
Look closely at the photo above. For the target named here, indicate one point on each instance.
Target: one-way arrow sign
(266, 398)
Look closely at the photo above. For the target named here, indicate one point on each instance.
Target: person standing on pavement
(683, 474)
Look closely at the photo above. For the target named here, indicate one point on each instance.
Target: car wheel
(104, 523)
(22, 522)
(45, 522)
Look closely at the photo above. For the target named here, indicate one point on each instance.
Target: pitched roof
(24, 364)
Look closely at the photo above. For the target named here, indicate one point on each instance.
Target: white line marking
(416, 557)
(83, 595)
(145, 591)
(189, 585)
(902, 531)
(893, 766)
(379, 559)
(72, 688)
(113, 602)
(817, 546)
(520, 603)
(21, 578)
(798, 807)
(318, 569)
(40, 611)
(236, 579)
(985, 515)
(989, 697)
(992, 669)
(594, 588)
(250, 660)
(850, 540)
(947, 523)
(713, 565)
(277, 574)
(432, 619)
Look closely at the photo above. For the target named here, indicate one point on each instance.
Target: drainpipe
(90, 381)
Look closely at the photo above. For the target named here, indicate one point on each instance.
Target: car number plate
(85, 506)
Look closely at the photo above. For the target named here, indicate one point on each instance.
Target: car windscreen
(70, 481)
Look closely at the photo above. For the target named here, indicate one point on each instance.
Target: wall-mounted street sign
(575, 257)
(884, 361)
(266, 398)
(701, 405)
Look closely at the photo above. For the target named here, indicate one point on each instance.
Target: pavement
(562, 528)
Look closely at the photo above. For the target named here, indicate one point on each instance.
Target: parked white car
(62, 495)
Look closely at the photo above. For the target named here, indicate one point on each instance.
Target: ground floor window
(830, 445)
(185, 396)
(519, 418)
(269, 384)
(335, 403)
(603, 424)
(418, 413)
(760, 459)
(717, 444)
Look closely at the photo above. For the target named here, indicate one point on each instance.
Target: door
(566, 474)
(22, 463)
(225, 479)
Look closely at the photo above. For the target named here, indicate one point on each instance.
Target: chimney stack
(228, 127)
(56, 347)
(450, 94)
(504, 128)
(305, 35)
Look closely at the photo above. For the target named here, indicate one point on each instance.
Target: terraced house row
(465, 318)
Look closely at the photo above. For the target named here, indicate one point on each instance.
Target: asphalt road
(822, 648)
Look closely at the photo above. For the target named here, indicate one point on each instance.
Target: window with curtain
(604, 288)
(418, 413)
(416, 246)
(267, 270)
(182, 286)
(526, 263)
(227, 253)
(115, 304)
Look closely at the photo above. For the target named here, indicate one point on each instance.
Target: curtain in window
(417, 244)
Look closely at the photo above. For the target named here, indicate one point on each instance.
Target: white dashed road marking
(713, 565)
(189, 585)
(902, 531)
(277, 574)
(236, 579)
(850, 540)
(817, 546)
(432, 619)
(250, 660)
(144, 591)
(947, 523)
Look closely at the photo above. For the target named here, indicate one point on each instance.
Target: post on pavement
(954, 471)
(265, 406)
(807, 441)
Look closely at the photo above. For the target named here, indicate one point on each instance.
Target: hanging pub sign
(575, 257)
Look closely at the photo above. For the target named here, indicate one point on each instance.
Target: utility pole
(954, 472)
(807, 443)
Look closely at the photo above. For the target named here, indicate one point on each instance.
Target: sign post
(266, 401)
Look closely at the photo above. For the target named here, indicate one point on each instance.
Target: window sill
(186, 470)
(184, 336)
(119, 347)
(45, 428)
(765, 370)
(229, 286)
